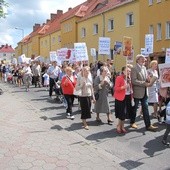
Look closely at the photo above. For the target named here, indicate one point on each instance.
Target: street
(35, 134)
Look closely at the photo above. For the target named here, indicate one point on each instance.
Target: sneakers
(134, 126)
(69, 116)
(165, 143)
(152, 128)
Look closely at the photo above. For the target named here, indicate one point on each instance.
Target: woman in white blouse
(85, 84)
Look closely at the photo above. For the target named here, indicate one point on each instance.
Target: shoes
(152, 128)
(68, 116)
(133, 125)
(165, 143)
(118, 131)
(98, 120)
(124, 131)
(86, 127)
(110, 122)
(72, 117)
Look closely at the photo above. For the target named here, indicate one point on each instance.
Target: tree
(3, 4)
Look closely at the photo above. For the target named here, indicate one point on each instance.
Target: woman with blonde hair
(85, 84)
(153, 90)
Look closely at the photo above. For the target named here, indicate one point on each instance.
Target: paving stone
(49, 166)
(25, 166)
(39, 162)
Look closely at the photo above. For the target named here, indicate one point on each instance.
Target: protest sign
(80, 51)
(127, 46)
(149, 38)
(104, 45)
(167, 57)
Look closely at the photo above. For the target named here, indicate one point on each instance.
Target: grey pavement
(35, 134)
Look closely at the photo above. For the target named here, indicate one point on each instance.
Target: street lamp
(17, 28)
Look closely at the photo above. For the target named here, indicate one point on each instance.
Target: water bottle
(168, 113)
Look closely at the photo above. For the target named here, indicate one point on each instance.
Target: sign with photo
(104, 45)
(127, 46)
(117, 47)
(164, 71)
(167, 57)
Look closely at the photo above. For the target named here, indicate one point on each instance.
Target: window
(129, 19)
(4, 54)
(168, 30)
(83, 32)
(53, 40)
(150, 2)
(158, 1)
(95, 29)
(151, 31)
(59, 38)
(110, 24)
(159, 31)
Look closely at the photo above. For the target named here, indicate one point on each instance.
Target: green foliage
(3, 4)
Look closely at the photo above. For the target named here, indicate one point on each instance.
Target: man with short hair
(140, 83)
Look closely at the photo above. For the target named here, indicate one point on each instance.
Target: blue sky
(24, 14)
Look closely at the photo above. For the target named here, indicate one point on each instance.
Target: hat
(139, 56)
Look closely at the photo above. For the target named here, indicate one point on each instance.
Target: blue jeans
(145, 110)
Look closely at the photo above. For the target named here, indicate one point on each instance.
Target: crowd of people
(91, 84)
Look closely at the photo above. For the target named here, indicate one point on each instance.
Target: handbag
(77, 92)
(96, 96)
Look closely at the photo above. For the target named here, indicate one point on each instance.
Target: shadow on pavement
(130, 164)
(154, 146)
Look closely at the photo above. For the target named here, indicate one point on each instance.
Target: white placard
(149, 38)
(167, 57)
(81, 51)
(93, 52)
(53, 56)
(21, 59)
(104, 45)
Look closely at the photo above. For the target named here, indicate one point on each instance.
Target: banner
(81, 51)
(164, 71)
(127, 46)
(62, 54)
(104, 45)
(149, 38)
(167, 57)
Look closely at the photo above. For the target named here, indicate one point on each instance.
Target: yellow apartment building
(155, 19)
(115, 21)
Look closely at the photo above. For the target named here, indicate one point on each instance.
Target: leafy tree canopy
(3, 4)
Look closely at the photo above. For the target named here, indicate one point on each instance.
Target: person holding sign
(140, 84)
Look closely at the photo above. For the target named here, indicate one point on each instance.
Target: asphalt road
(138, 149)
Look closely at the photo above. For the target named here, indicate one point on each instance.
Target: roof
(6, 49)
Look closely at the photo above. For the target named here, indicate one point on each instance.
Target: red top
(68, 85)
(119, 93)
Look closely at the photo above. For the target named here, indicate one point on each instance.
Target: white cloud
(24, 14)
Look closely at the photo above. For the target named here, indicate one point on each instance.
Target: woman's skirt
(85, 104)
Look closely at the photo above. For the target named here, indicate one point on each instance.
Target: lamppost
(17, 28)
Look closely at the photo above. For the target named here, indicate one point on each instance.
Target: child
(46, 80)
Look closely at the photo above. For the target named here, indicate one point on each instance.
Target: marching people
(153, 90)
(140, 86)
(68, 84)
(123, 97)
(27, 76)
(53, 72)
(85, 85)
(102, 86)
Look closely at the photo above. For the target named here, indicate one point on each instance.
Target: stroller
(58, 92)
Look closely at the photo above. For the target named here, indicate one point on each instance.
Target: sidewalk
(28, 142)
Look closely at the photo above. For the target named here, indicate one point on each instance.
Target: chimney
(59, 12)
(48, 20)
(53, 16)
(69, 9)
(35, 27)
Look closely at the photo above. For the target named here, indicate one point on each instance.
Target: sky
(23, 14)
